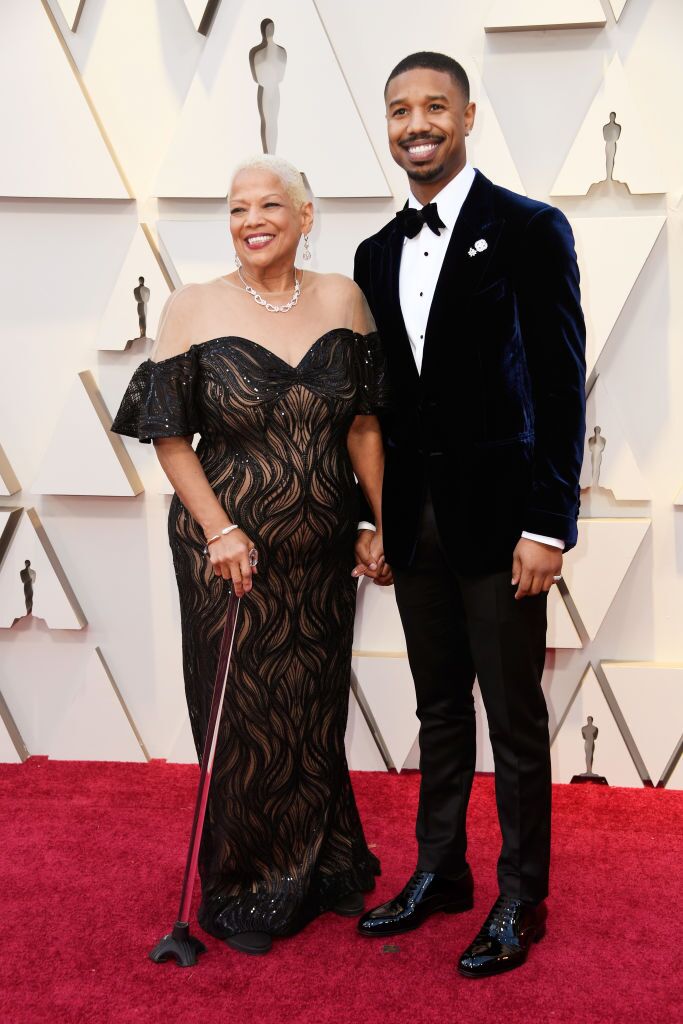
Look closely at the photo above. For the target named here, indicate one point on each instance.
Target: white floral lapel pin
(479, 246)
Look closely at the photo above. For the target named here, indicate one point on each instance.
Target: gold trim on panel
(208, 16)
(622, 725)
(671, 765)
(379, 654)
(371, 722)
(77, 16)
(157, 255)
(8, 475)
(122, 702)
(57, 567)
(13, 731)
(86, 95)
(98, 404)
(8, 531)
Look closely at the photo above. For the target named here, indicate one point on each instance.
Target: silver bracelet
(224, 532)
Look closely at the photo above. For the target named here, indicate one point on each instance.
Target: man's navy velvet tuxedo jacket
(494, 424)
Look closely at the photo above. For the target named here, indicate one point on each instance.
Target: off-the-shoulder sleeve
(373, 391)
(160, 400)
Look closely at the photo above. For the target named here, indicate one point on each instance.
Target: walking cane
(179, 944)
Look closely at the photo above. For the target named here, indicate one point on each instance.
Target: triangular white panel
(83, 456)
(92, 725)
(362, 753)
(486, 146)
(71, 9)
(634, 163)
(182, 749)
(561, 677)
(8, 752)
(413, 759)
(611, 252)
(611, 757)
(596, 567)
(607, 458)
(44, 579)
(650, 697)
(220, 121)
(128, 314)
(198, 250)
(41, 681)
(617, 7)
(484, 762)
(378, 624)
(201, 12)
(516, 15)
(561, 630)
(387, 685)
(52, 144)
(9, 483)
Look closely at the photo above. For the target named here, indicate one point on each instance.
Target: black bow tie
(411, 220)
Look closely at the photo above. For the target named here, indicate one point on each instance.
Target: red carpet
(92, 856)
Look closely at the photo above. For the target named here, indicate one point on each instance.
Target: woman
(278, 371)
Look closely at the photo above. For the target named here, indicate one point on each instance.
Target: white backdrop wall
(135, 104)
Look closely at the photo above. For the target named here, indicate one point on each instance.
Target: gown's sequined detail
(282, 840)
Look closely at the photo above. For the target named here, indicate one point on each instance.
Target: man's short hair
(434, 62)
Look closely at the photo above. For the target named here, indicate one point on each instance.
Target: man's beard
(428, 175)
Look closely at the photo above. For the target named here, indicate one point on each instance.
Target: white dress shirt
(423, 257)
(421, 262)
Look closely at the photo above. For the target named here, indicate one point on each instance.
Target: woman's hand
(371, 560)
(230, 559)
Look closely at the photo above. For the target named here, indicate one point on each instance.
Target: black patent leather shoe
(505, 938)
(424, 894)
(350, 905)
(251, 943)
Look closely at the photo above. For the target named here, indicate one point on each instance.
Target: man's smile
(422, 151)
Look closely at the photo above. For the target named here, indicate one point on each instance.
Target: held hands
(230, 560)
(371, 561)
(533, 567)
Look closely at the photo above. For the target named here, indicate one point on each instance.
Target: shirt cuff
(554, 542)
(365, 525)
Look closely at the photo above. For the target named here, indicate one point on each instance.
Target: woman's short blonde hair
(287, 173)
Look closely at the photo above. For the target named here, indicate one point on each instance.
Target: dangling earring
(238, 261)
(307, 249)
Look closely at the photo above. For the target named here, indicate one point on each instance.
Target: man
(475, 291)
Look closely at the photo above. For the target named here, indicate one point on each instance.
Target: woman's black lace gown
(283, 840)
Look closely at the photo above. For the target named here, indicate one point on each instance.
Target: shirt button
(421, 294)
(426, 254)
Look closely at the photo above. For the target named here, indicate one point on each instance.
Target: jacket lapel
(461, 272)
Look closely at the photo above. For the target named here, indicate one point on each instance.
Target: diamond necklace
(269, 305)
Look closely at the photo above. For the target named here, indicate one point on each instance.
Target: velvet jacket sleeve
(361, 278)
(554, 337)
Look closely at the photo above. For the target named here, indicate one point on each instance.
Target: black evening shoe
(424, 894)
(504, 940)
(350, 905)
(253, 943)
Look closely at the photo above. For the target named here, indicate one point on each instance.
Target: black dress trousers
(458, 627)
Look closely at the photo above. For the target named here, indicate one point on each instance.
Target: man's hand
(533, 567)
(371, 561)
